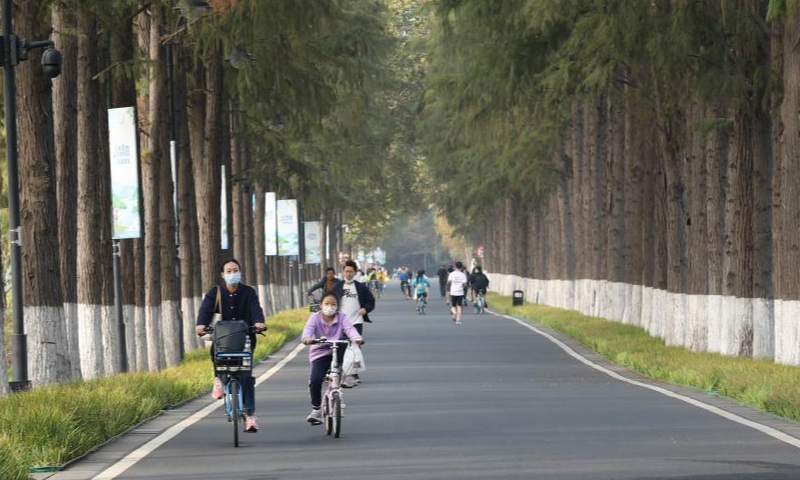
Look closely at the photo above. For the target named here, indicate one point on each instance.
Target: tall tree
(65, 109)
(89, 244)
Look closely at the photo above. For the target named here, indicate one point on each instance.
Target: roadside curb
(95, 461)
(785, 426)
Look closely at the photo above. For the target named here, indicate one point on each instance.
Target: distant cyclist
(421, 285)
(326, 283)
(480, 283)
(405, 277)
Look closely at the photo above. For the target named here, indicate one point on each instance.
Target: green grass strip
(762, 384)
(51, 425)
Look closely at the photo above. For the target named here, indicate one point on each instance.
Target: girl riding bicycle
(234, 301)
(421, 285)
(332, 324)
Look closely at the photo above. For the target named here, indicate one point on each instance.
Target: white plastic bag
(353, 360)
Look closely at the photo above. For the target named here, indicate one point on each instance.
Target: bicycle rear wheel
(336, 414)
(234, 399)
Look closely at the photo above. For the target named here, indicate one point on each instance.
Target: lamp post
(15, 50)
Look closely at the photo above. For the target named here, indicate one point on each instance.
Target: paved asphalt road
(488, 399)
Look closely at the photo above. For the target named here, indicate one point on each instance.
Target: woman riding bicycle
(333, 325)
(237, 302)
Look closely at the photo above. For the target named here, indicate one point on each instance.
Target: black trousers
(319, 368)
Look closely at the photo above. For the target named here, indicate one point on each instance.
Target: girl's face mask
(329, 310)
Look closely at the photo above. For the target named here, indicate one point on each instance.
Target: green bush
(54, 424)
(762, 384)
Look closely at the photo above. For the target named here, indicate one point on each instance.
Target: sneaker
(458, 322)
(315, 417)
(218, 390)
(250, 425)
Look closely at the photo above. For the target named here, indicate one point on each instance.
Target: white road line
(132, 458)
(772, 432)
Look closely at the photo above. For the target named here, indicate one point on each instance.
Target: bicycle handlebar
(250, 330)
(325, 341)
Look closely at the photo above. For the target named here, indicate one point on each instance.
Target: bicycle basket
(230, 336)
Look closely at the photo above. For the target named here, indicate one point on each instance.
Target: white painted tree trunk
(90, 340)
(188, 320)
(198, 301)
(155, 340)
(71, 322)
(171, 332)
(129, 312)
(140, 332)
(263, 298)
(110, 351)
(48, 352)
(4, 389)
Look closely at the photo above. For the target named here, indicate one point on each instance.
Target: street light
(15, 50)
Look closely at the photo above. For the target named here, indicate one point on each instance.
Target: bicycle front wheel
(235, 413)
(336, 414)
(326, 415)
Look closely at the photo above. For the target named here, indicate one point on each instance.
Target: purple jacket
(316, 327)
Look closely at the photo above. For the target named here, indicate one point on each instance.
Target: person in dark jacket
(480, 282)
(442, 274)
(326, 283)
(237, 301)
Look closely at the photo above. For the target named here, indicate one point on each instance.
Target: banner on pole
(288, 234)
(124, 158)
(270, 225)
(313, 239)
(223, 211)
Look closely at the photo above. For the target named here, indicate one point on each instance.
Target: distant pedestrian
(326, 283)
(355, 302)
(457, 284)
(442, 274)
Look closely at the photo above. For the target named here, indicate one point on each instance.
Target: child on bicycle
(332, 324)
(421, 285)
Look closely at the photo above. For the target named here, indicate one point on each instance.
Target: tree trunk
(48, 346)
(207, 173)
(111, 352)
(65, 110)
(90, 248)
(237, 191)
(187, 210)
(615, 193)
(259, 270)
(152, 156)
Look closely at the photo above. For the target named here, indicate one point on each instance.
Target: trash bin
(517, 298)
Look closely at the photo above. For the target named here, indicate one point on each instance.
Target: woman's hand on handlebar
(260, 327)
(200, 330)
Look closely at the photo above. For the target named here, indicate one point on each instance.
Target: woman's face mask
(233, 278)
